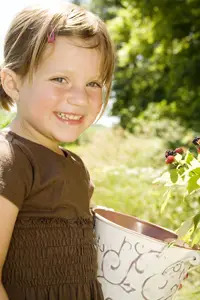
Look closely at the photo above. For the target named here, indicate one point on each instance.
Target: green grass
(122, 167)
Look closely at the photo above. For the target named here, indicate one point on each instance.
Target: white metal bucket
(135, 262)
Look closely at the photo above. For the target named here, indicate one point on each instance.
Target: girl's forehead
(70, 54)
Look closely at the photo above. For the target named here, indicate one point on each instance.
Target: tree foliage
(158, 57)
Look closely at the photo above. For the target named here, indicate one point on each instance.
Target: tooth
(68, 116)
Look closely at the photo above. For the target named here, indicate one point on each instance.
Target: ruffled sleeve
(16, 174)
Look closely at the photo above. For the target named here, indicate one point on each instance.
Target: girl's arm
(3, 295)
(8, 215)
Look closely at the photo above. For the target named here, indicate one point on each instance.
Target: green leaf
(192, 184)
(196, 220)
(184, 228)
(195, 163)
(178, 157)
(189, 157)
(181, 170)
(196, 239)
(167, 196)
(195, 170)
(196, 233)
(174, 175)
(165, 177)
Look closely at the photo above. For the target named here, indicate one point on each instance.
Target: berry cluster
(170, 155)
(196, 142)
(184, 173)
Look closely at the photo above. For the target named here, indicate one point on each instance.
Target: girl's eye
(94, 84)
(59, 79)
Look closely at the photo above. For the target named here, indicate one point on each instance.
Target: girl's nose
(77, 96)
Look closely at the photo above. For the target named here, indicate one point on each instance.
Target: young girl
(57, 62)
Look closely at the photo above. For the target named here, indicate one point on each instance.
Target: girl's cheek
(96, 94)
(97, 103)
(60, 93)
(100, 99)
(52, 94)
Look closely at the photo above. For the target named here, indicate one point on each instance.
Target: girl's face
(65, 95)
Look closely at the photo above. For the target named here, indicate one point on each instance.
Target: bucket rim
(97, 209)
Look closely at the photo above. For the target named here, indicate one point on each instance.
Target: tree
(106, 9)
(158, 58)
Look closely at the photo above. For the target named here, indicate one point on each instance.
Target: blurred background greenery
(156, 97)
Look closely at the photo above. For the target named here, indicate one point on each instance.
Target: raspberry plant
(184, 170)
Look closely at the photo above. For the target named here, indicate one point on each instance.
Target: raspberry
(179, 150)
(170, 159)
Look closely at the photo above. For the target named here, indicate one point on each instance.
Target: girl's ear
(10, 82)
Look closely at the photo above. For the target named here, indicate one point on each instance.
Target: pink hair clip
(51, 36)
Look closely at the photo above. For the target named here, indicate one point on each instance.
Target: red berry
(180, 286)
(198, 150)
(179, 150)
(170, 159)
(186, 276)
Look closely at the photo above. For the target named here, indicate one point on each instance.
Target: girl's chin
(66, 139)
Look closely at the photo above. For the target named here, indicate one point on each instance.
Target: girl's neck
(31, 134)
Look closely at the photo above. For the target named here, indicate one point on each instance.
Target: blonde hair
(26, 40)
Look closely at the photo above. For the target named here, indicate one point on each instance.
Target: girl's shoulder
(16, 171)
(12, 148)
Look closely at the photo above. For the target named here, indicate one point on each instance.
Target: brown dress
(52, 253)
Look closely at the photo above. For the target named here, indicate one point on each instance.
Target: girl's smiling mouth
(73, 118)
